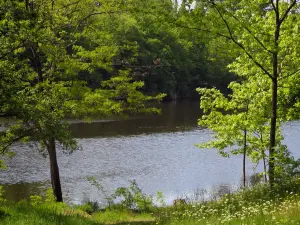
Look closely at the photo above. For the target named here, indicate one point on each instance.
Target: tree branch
(94, 14)
(72, 3)
(199, 29)
(287, 11)
(274, 7)
(291, 74)
(2, 149)
(238, 43)
(250, 32)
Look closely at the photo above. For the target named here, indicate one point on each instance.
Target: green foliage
(109, 199)
(263, 38)
(287, 172)
(46, 47)
(130, 197)
(243, 111)
(35, 199)
(89, 207)
(160, 198)
(2, 200)
(257, 205)
(50, 196)
(39, 211)
(133, 197)
(48, 57)
(167, 57)
(49, 89)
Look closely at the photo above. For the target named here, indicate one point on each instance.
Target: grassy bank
(239, 209)
(257, 205)
(59, 213)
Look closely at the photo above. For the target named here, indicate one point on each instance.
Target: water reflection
(157, 151)
(175, 116)
(17, 192)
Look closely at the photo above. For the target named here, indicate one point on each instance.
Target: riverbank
(257, 205)
(157, 151)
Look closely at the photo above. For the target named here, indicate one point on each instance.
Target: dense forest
(159, 49)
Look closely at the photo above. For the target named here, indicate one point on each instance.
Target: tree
(46, 45)
(238, 121)
(265, 39)
(166, 57)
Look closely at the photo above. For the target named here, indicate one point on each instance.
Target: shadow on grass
(3, 214)
(75, 219)
(137, 223)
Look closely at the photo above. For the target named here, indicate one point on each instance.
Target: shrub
(133, 197)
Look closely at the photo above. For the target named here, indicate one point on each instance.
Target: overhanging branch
(290, 74)
(2, 149)
(251, 33)
(238, 43)
(287, 11)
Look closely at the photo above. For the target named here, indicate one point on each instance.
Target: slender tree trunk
(244, 158)
(26, 4)
(54, 170)
(274, 102)
(273, 133)
(265, 167)
(264, 158)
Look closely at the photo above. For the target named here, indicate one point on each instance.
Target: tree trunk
(274, 102)
(273, 133)
(244, 158)
(26, 4)
(265, 167)
(264, 158)
(55, 179)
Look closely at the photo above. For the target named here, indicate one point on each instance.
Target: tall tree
(238, 121)
(265, 38)
(46, 45)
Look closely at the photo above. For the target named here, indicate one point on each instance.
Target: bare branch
(72, 3)
(94, 14)
(238, 43)
(250, 32)
(11, 142)
(274, 7)
(289, 75)
(198, 29)
(287, 11)
(74, 10)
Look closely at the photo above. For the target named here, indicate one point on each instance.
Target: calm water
(157, 151)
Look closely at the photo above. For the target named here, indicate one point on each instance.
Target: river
(157, 151)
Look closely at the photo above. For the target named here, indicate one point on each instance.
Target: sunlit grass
(115, 217)
(62, 214)
(256, 206)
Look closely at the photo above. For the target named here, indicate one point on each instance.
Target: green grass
(253, 206)
(27, 214)
(60, 213)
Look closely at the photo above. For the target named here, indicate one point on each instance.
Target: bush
(133, 197)
(2, 200)
(89, 207)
